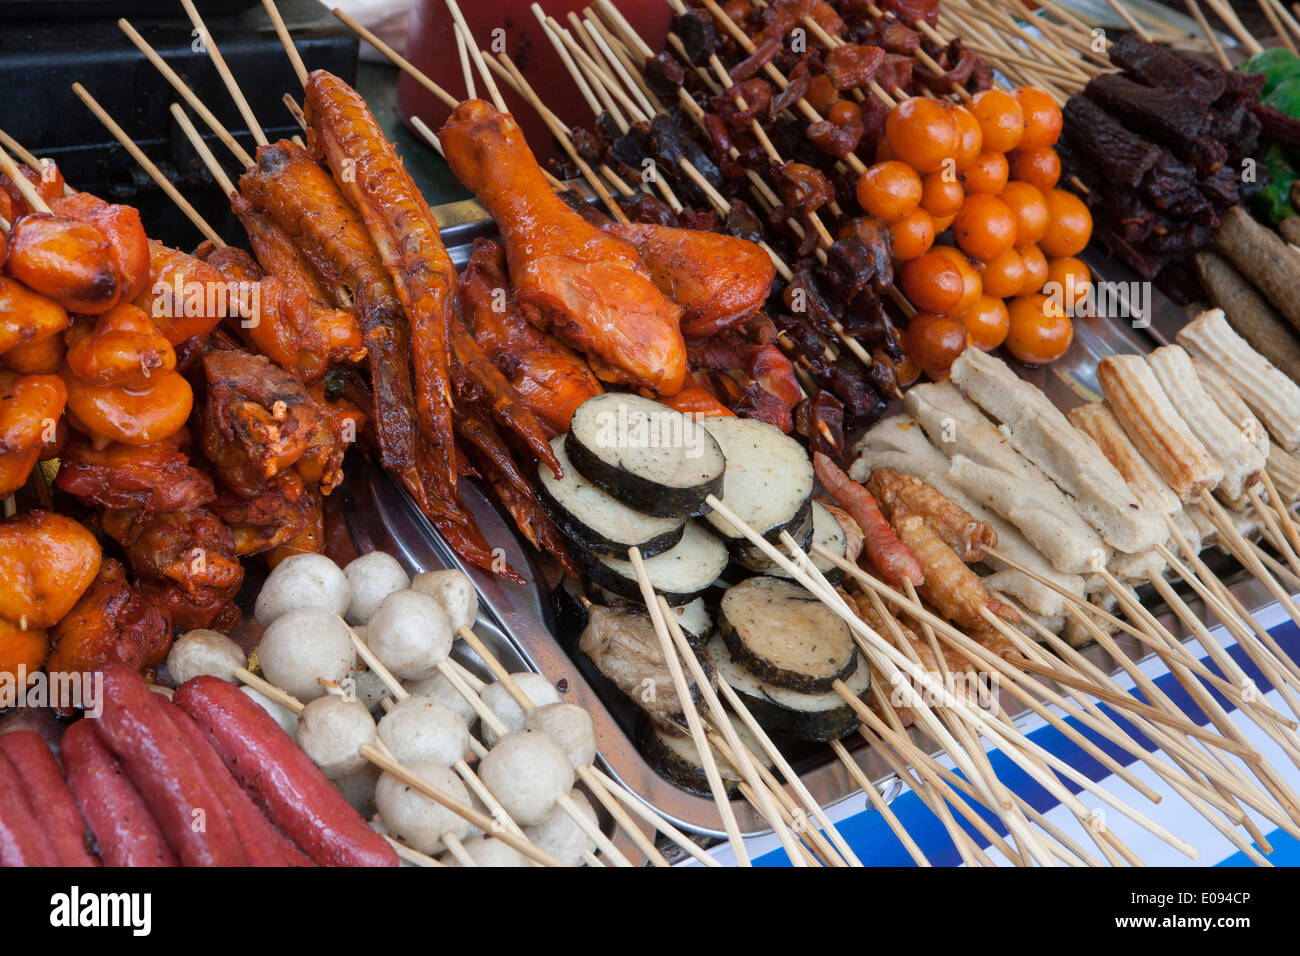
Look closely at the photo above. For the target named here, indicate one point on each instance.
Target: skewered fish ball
(415, 819)
(535, 687)
(204, 652)
(372, 577)
(527, 772)
(303, 581)
(560, 836)
(358, 788)
(281, 714)
(332, 730)
(303, 645)
(440, 689)
(571, 728)
(410, 633)
(454, 591)
(420, 728)
(487, 851)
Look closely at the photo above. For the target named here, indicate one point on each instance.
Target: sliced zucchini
(827, 532)
(769, 479)
(693, 618)
(652, 458)
(786, 636)
(678, 574)
(598, 521)
(753, 559)
(822, 716)
(675, 757)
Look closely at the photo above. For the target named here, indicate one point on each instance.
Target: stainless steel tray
(381, 515)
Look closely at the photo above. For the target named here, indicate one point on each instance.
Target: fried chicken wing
(551, 379)
(111, 622)
(46, 561)
(588, 288)
(157, 477)
(717, 279)
(30, 405)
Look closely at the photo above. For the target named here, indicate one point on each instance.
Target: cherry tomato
(987, 324)
(987, 174)
(941, 194)
(970, 138)
(934, 342)
(1035, 269)
(844, 112)
(1073, 279)
(942, 223)
(1001, 120)
(922, 132)
(1040, 330)
(933, 282)
(1027, 204)
(1003, 275)
(889, 190)
(971, 283)
(913, 234)
(985, 227)
(1038, 167)
(1042, 117)
(1070, 227)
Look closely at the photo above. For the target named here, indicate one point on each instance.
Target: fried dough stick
(407, 238)
(305, 202)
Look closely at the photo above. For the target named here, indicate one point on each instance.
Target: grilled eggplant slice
(768, 484)
(598, 521)
(751, 557)
(672, 753)
(829, 533)
(785, 636)
(652, 458)
(679, 574)
(820, 717)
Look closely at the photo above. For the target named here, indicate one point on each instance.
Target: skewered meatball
(201, 652)
(420, 728)
(410, 633)
(454, 591)
(559, 836)
(487, 851)
(535, 687)
(372, 577)
(570, 725)
(413, 818)
(332, 730)
(303, 645)
(282, 715)
(303, 581)
(440, 689)
(527, 772)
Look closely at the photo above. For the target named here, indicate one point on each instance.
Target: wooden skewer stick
(28, 158)
(397, 59)
(295, 111)
(879, 805)
(228, 78)
(1195, 10)
(635, 804)
(147, 164)
(488, 81)
(286, 40)
(466, 70)
(186, 93)
(205, 154)
(29, 193)
(1229, 16)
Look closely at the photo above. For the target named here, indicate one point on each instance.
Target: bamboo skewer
(396, 58)
(214, 53)
(295, 59)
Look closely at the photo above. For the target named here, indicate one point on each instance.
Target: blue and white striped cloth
(876, 845)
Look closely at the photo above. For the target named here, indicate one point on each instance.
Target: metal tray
(381, 515)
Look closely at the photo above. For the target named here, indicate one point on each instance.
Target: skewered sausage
(50, 799)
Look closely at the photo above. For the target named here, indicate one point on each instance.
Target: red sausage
(263, 844)
(306, 807)
(135, 726)
(892, 559)
(126, 832)
(22, 841)
(49, 796)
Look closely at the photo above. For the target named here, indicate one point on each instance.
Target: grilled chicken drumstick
(587, 287)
